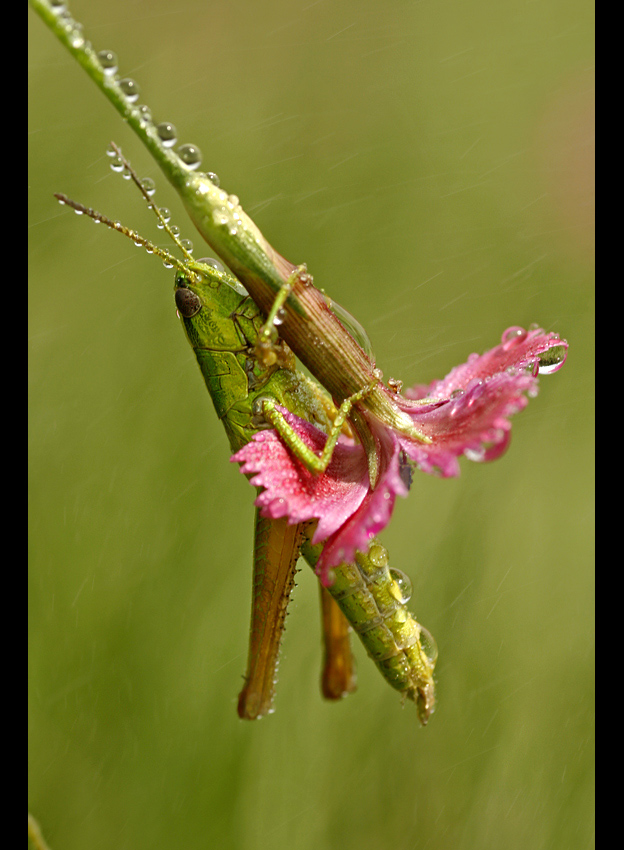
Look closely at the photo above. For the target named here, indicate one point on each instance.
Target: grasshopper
(307, 321)
(224, 325)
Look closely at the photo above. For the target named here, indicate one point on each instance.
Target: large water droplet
(403, 585)
(377, 555)
(149, 185)
(108, 61)
(190, 156)
(353, 327)
(552, 360)
(428, 645)
(513, 336)
(210, 261)
(130, 90)
(167, 134)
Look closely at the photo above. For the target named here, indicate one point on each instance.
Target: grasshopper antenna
(169, 260)
(142, 189)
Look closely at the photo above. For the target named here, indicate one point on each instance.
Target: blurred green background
(432, 162)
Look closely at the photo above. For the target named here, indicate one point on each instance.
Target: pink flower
(468, 415)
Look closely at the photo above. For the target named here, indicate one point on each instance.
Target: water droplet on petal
(108, 61)
(513, 336)
(190, 156)
(552, 360)
(403, 585)
(475, 455)
(130, 90)
(167, 134)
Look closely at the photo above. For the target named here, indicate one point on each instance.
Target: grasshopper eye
(187, 302)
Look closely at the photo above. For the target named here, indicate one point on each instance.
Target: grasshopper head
(208, 299)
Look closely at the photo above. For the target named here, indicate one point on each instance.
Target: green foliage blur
(432, 162)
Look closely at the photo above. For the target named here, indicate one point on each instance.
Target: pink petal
(372, 516)
(474, 422)
(519, 350)
(289, 489)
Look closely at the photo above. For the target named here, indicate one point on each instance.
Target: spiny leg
(267, 408)
(265, 344)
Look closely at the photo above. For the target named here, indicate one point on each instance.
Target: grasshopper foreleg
(266, 407)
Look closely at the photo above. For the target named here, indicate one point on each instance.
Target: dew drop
(108, 61)
(377, 555)
(210, 261)
(145, 112)
(187, 244)
(190, 156)
(149, 186)
(475, 455)
(110, 151)
(279, 317)
(220, 216)
(58, 6)
(77, 39)
(403, 584)
(552, 360)
(428, 645)
(213, 178)
(117, 165)
(130, 89)
(513, 336)
(175, 230)
(166, 215)
(167, 134)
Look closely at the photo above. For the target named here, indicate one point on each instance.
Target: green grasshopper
(307, 321)
(223, 325)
